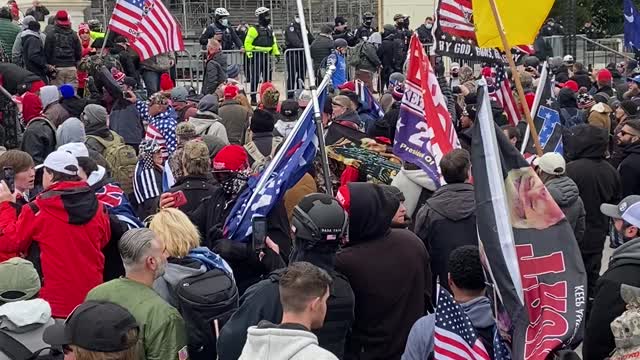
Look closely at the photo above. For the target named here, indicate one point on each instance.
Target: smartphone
(179, 198)
(259, 226)
(8, 175)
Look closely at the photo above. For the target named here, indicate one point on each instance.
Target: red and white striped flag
(148, 25)
(454, 18)
(500, 91)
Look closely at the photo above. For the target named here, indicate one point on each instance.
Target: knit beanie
(67, 91)
(585, 101)
(166, 83)
(630, 107)
(95, 114)
(261, 121)
(271, 98)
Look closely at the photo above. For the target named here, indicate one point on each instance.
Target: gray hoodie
(272, 342)
(25, 321)
(420, 340)
(566, 194)
(70, 131)
(627, 253)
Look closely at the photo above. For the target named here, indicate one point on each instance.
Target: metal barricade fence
(187, 70)
(253, 71)
(295, 71)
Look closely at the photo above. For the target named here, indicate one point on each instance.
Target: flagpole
(104, 42)
(316, 105)
(536, 103)
(516, 77)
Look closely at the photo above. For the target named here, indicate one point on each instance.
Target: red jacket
(69, 227)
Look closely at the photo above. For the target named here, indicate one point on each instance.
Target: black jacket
(293, 37)
(125, 120)
(582, 78)
(347, 35)
(629, 170)
(447, 221)
(63, 47)
(14, 75)
(39, 139)
(320, 49)
(262, 302)
(388, 270)
(597, 180)
(38, 12)
(390, 52)
(74, 106)
(425, 35)
(128, 61)
(210, 216)
(33, 55)
(230, 39)
(195, 188)
(624, 268)
(364, 31)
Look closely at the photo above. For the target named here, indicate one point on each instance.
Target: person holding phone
(18, 168)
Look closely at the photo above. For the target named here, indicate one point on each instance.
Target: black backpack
(206, 302)
(15, 350)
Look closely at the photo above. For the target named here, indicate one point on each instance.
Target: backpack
(64, 46)
(121, 158)
(625, 327)
(260, 161)
(571, 121)
(15, 350)
(356, 59)
(206, 302)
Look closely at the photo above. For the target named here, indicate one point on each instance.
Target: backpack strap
(275, 142)
(12, 348)
(253, 151)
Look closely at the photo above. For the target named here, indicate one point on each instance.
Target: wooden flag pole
(516, 77)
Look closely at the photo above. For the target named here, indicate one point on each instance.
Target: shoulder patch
(183, 354)
(291, 29)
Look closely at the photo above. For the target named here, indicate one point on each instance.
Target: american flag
(455, 337)
(287, 167)
(454, 18)
(147, 181)
(500, 349)
(148, 25)
(501, 92)
(161, 128)
(116, 202)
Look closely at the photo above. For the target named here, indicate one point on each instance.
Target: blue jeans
(151, 81)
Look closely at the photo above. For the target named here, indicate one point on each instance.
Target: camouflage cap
(159, 98)
(186, 131)
(195, 150)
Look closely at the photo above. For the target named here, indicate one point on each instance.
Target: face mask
(234, 184)
(455, 74)
(429, 26)
(265, 21)
(224, 22)
(368, 22)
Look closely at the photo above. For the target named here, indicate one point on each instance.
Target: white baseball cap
(62, 162)
(76, 149)
(551, 163)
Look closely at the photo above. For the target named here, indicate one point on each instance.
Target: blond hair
(212, 45)
(132, 353)
(176, 231)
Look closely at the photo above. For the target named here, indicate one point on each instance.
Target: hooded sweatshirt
(206, 121)
(67, 222)
(412, 183)
(566, 194)
(48, 95)
(624, 267)
(70, 131)
(420, 342)
(388, 270)
(596, 179)
(629, 170)
(282, 342)
(446, 222)
(25, 321)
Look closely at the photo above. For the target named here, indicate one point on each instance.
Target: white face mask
(297, 20)
(224, 22)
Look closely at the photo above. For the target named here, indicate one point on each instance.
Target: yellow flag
(521, 19)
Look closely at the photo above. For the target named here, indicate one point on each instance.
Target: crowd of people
(113, 207)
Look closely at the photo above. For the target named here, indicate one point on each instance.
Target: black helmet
(319, 218)
(367, 15)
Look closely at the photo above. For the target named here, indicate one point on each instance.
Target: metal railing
(10, 128)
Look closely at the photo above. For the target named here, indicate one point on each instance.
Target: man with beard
(628, 138)
(144, 256)
(624, 268)
(319, 224)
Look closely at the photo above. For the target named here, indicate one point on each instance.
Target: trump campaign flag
(530, 252)
(148, 25)
(424, 131)
(288, 166)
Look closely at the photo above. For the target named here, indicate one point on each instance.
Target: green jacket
(249, 48)
(8, 33)
(162, 328)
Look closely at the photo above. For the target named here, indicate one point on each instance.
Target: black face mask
(265, 20)
(368, 22)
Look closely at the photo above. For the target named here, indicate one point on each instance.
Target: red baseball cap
(231, 158)
(62, 18)
(571, 85)
(231, 91)
(344, 198)
(349, 85)
(604, 75)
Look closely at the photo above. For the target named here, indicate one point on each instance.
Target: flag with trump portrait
(529, 250)
(148, 25)
(424, 131)
(289, 164)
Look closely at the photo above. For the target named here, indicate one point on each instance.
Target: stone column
(75, 8)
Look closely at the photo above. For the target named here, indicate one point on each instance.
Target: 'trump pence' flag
(455, 337)
(424, 132)
(532, 256)
(287, 168)
(148, 25)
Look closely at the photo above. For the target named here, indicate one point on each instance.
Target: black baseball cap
(95, 326)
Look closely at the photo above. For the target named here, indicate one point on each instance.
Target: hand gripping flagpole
(514, 71)
(314, 95)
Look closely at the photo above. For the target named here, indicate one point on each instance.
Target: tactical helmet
(261, 10)
(319, 218)
(221, 12)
